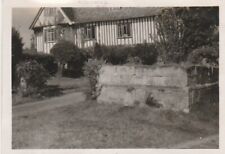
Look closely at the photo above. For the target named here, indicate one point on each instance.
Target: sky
(21, 20)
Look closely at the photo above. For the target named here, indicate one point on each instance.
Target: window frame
(50, 35)
(124, 30)
(90, 32)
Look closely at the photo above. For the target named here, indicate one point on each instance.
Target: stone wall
(172, 87)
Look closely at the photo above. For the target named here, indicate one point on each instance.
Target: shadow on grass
(51, 91)
(47, 92)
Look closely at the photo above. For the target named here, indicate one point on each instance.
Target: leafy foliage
(98, 52)
(91, 70)
(118, 55)
(134, 60)
(200, 24)
(17, 48)
(66, 52)
(204, 55)
(63, 50)
(181, 30)
(75, 64)
(146, 52)
(34, 75)
(46, 60)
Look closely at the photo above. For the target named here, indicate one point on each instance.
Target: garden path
(48, 104)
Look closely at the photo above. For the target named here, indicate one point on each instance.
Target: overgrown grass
(92, 125)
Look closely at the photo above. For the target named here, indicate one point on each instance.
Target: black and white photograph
(115, 77)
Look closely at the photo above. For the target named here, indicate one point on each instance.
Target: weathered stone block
(173, 87)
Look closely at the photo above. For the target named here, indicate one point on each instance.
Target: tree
(200, 24)
(17, 48)
(66, 52)
(181, 30)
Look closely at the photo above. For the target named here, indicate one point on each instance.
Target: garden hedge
(46, 60)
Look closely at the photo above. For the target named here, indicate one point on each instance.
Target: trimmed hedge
(146, 52)
(118, 55)
(48, 61)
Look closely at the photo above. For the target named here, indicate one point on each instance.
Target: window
(124, 30)
(50, 35)
(89, 32)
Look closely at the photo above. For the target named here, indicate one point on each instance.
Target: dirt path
(48, 104)
(201, 143)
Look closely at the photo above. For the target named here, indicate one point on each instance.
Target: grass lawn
(92, 125)
(55, 87)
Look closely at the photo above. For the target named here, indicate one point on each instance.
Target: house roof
(94, 14)
(85, 14)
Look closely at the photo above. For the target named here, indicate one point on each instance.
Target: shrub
(134, 60)
(66, 52)
(98, 52)
(91, 70)
(146, 52)
(75, 64)
(116, 55)
(204, 55)
(46, 60)
(87, 52)
(33, 75)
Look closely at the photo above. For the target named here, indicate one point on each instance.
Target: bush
(32, 76)
(87, 52)
(91, 70)
(134, 60)
(46, 60)
(204, 55)
(98, 52)
(66, 53)
(117, 55)
(146, 52)
(75, 64)
(62, 51)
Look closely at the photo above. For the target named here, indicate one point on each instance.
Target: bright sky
(21, 20)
